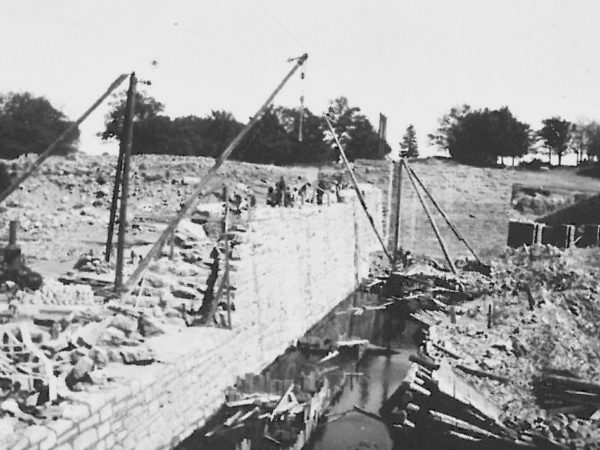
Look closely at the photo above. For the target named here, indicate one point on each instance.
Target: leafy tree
(273, 140)
(447, 124)
(555, 135)
(146, 107)
(585, 140)
(156, 133)
(29, 124)
(219, 129)
(355, 131)
(408, 146)
(152, 131)
(480, 137)
(512, 138)
(312, 148)
(578, 139)
(267, 143)
(592, 140)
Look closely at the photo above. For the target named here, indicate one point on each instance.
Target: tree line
(485, 136)
(28, 124)
(283, 135)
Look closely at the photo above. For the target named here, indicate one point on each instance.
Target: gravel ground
(559, 333)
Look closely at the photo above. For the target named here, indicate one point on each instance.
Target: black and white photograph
(299, 225)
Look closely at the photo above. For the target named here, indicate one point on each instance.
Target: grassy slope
(476, 199)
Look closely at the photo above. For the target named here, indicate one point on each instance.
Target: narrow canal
(364, 382)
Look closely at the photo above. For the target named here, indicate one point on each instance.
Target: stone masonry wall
(294, 266)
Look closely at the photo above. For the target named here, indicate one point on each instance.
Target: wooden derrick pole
(202, 187)
(125, 148)
(358, 193)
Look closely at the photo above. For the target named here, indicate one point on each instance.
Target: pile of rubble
(64, 209)
(49, 350)
(530, 342)
(57, 339)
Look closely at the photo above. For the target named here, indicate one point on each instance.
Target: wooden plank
(450, 384)
(482, 373)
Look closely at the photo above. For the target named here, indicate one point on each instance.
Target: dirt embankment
(63, 210)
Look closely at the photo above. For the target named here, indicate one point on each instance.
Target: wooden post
(382, 134)
(397, 217)
(126, 139)
(358, 193)
(390, 194)
(200, 188)
(172, 249)
(113, 206)
(431, 221)
(227, 250)
(52, 147)
(12, 233)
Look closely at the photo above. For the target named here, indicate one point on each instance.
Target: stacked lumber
(435, 406)
(567, 394)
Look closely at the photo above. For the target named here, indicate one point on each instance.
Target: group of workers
(283, 194)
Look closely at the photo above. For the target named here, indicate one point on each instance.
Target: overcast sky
(411, 60)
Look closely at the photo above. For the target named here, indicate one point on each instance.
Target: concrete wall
(295, 265)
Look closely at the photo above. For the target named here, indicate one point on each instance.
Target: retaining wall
(294, 266)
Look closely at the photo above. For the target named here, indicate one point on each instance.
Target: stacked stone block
(294, 266)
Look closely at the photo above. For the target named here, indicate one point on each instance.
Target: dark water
(376, 376)
(355, 430)
(382, 376)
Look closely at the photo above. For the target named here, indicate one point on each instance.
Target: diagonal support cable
(455, 230)
(430, 218)
(358, 193)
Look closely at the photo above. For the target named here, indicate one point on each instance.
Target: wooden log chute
(560, 393)
(434, 405)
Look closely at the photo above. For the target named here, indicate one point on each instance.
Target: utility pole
(382, 134)
(113, 206)
(227, 250)
(125, 149)
(398, 216)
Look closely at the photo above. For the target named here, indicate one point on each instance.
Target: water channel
(367, 383)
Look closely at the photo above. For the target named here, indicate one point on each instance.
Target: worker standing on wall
(280, 192)
(320, 191)
(5, 179)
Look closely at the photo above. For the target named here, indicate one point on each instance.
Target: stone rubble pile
(58, 342)
(539, 318)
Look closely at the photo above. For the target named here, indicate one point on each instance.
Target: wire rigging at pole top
(301, 112)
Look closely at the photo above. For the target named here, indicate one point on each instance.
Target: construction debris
(528, 341)
(261, 411)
